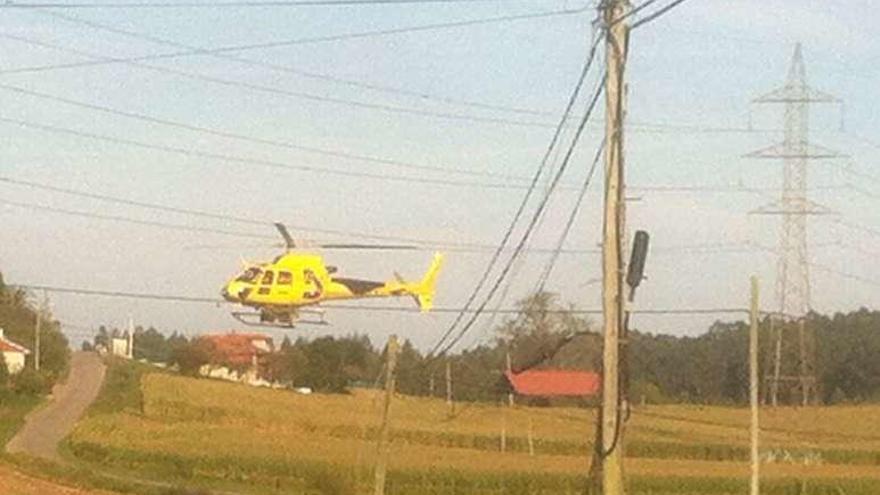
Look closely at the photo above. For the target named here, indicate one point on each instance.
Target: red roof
(555, 383)
(237, 348)
(10, 346)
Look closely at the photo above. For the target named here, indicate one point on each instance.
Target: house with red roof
(239, 357)
(14, 355)
(549, 384)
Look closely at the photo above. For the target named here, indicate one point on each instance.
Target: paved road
(46, 426)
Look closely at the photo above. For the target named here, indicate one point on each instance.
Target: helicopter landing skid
(260, 320)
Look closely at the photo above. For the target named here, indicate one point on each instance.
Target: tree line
(710, 368)
(18, 318)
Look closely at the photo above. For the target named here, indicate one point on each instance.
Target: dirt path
(13, 482)
(46, 426)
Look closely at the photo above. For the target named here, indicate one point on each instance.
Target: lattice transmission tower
(793, 369)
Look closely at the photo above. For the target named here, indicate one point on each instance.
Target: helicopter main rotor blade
(288, 239)
(367, 246)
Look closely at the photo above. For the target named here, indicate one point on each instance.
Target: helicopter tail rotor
(424, 293)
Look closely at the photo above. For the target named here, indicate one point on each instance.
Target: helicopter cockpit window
(285, 278)
(250, 275)
(267, 278)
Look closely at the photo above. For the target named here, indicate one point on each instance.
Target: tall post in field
(42, 310)
(777, 361)
(805, 379)
(449, 404)
(616, 47)
(753, 385)
(382, 460)
(509, 372)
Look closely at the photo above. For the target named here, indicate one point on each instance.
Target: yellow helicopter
(294, 283)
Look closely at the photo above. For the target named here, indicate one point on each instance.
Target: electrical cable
(363, 105)
(535, 217)
(151, 223)
(522, 206)
(255, 161)
(464, 247)
(221, 52)
(354, 307)
(548, 269)
(223, 4)
(232, 135)
(656, 14)
(557, 251)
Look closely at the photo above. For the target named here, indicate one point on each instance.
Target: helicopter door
(313, 287)
(266, 283)
(284, 284)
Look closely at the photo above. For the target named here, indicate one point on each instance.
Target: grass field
(13, 408)
(221, 435)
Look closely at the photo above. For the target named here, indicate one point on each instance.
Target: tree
(150, 344)
(18, 318)
(191, 356)
(539, 335)
(288, 365)
(4, 374)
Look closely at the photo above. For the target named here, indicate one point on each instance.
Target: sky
(428, 99)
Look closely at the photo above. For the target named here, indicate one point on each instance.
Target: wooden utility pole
(806, 383)
(753, 386)
(449, 403)
(616, 47)
(777, 362)
(531, 437)
(382, 458)
(509, 372)
(38, 329)
(503, 429)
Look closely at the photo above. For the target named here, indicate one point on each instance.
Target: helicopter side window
(285, 278)
(250, 275)
(267, 278)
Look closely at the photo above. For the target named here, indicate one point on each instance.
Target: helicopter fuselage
(296, 280)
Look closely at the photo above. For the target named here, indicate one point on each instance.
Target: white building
(13, 354)
(122, 346)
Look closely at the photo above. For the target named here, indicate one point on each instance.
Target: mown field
(226, 436)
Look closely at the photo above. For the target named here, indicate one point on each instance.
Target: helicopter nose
(224, 292)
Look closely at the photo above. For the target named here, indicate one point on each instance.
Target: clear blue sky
(695, 68)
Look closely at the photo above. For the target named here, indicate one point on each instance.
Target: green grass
(184, 433)
(13, 408)
(271, 476)
(121, 390)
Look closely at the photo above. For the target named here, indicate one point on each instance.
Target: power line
(231, 135)
(221, 52)
(545, 275)
(224, 4)
(522, 206)
(278, 91)
(353, 156)
(116, 218)
(254, 161)
(129, 202)
(427, 243)
(353, 307)
(534, 220)
(656, 14)
(548, 268)
(461, 247)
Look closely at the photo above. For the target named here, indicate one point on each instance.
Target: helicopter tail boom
(424, 293)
